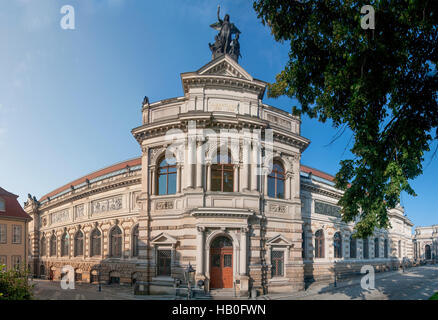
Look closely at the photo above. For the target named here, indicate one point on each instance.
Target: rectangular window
(3, 233)
(16, 261)
(164, 259)
(16, 234)
(277, 260)
(3, 260)
(2, 205)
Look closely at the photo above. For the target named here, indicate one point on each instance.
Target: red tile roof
(12, 207)
(99, 173)
(317, 173)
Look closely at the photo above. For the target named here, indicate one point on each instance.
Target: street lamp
(188, 274)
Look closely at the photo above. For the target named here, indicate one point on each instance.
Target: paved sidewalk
(417, 283)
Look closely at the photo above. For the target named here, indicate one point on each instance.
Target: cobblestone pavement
(417, 283)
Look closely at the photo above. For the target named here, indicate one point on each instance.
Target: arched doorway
(428, 252)
(42, 272)
(94, 276)
(221, 263)
(114, 277)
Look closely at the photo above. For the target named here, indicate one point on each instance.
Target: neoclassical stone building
(230, 197)
(426, 243)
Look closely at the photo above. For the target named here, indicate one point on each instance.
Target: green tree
(14, 284)
(379, 83)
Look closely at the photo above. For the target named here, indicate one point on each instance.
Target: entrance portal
(428, 252)
(221, 263)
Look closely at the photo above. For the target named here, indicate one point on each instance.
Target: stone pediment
(279, 240)
(225, 66)
(163, 239)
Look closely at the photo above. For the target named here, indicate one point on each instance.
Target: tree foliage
(14, 285)
(381, 84)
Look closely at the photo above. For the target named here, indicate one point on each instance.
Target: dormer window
(2, 205)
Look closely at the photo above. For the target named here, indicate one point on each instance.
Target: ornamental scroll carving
(277, 208)
(164, 205)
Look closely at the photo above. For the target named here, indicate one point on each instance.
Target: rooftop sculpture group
(224, 41)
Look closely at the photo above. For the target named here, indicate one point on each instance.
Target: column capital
(200, 229)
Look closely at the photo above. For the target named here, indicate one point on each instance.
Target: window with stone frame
(16, 234)
(3, 233)
(96, 243)
(3, 260)
(79, 244)
(65, 245)
(166, 177)
(353, 247)
(376, 248)
(16, 262)
(135, 242)
(386, 248)
(116, 242)
(164, 258)
(222, 173)
(43, 247)
(337, 245)
(366, 248)
(276, 181)
(319, 244)
(277, 262)
(53, 245)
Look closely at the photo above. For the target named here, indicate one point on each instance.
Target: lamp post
(189, 272)
(100, 284)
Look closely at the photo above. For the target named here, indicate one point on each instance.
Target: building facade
(230, 197)
(426, 243)
(13, 232)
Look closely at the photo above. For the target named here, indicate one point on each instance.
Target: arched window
(319, 244)
(222, 174)
(428, 252)
(167, 176)
(79, 244)
(53, 245)
(116, 242)
(65, 245)
(276, 181)
(337, 244)
(43, 247)
(366, 249)
(353, 247)
(135, 238)
(2, 205)
(376, 247)
(385, 248)
(96, 240)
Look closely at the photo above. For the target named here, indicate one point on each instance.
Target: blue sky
(69, 98)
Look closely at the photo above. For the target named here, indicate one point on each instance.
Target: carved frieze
(60, 216)
(107, 205)
(80, 211)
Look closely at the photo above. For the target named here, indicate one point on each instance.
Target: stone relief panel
(60, 216)
(80, 211)
(279, 121)
(327, 209)
(107, 205)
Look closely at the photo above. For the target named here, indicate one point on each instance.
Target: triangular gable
(164, 238)
(279, 240)
(225, 66)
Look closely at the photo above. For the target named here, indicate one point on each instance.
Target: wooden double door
(221, 264)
